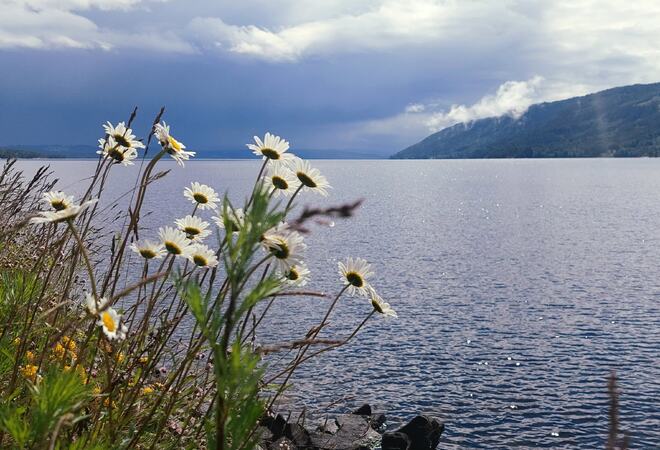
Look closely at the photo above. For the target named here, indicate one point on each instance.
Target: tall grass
(92, 314)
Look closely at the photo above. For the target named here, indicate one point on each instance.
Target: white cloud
(49, 24)
(418, 120)
(386, 25)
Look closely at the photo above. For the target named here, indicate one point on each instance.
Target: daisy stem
(85, 256)
(256, 183)
(288, 205)
(299, 358)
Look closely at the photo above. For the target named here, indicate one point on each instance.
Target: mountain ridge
(617, 122)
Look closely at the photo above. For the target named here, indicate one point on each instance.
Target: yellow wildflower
(69, 343)
(120, 357)
(16, 341)
(29, 356)
(144, 359)
(59, 351)
(29, 371)
(147, 390)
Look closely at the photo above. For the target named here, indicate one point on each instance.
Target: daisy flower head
(148, 249)
(110, 149)
(195, 228)
(201, 195)
(236, 219)
(379, 305)
(310, 177)
(68, 213)
(280, 179)
(122, 136)
(286, 246)
(93, 305)
(354, 273)
(57, 200)
(175, 241)
(110, 321)
(202, 256)
(272, 147)
(175, 148)
(296, 275)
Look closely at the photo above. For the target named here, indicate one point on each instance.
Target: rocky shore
(361, 429)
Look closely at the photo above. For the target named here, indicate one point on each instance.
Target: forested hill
(623, 121)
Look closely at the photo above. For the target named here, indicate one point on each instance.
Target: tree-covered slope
(623, 121)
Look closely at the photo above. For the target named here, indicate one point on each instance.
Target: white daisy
(379, 305)
(201, 195)
(310, 177)
(57, 200)
(281, 180)
(272, 147)
(110, 149)
(236, 219)
(175, 241)
(202, 256)
(171, 145)
(62, 215)
(92, 305)
(354, 273)
(149, 249)
(297, 275)
(122, 135)
(195, 228)
(285, 245)
(110, 320)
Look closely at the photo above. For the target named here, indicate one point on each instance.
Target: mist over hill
(619, 122)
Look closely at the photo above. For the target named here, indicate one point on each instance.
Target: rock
(264, 434)
(424, 432)
(364, 410)
(395, 441)
(275, 424)
(282, 443)
(298, 435)
(377, 420)
(328, 426)
(354, 433)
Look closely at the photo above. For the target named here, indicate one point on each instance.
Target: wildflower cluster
(164, 350)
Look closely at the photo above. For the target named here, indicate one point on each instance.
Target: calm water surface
(520, 284)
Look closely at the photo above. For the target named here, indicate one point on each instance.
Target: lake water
(520, 284)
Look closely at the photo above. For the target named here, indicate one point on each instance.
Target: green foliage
(55, 402)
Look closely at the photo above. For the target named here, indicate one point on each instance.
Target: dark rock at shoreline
(353, 432)
(356, 431)
(423, 432)
(395, 441)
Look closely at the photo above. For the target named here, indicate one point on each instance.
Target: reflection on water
(519, 285)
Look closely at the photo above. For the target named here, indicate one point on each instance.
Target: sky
(364, 76)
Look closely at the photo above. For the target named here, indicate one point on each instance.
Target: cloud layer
(354, 73)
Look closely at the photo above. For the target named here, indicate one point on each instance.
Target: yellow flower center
(174, 144)
(377, 306)
(292, 274)
(199, 260)
(121, 140)
(58, 205)
(270, 153)
(305, 179)
(192, 231)
(147, 253)
(200, 198)
(172, 248)
(354, 279)
(116, 154)
(280, 250)
(108, 322)
(280, 183)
